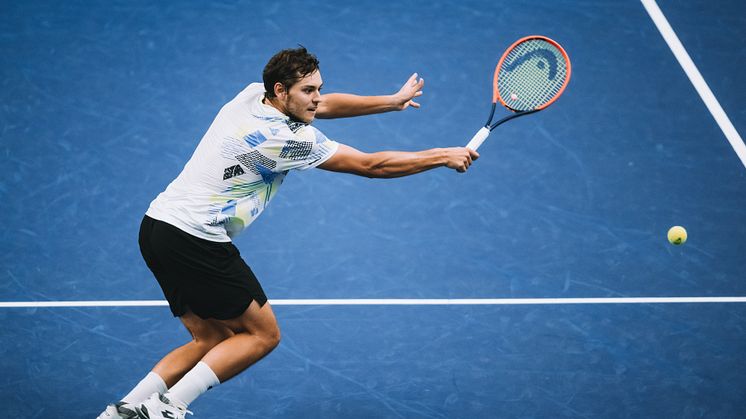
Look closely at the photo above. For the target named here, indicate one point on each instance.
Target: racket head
(531, 74)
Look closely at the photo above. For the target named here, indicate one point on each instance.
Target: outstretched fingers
(410, 90)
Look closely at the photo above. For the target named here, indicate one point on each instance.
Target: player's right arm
(391, 164)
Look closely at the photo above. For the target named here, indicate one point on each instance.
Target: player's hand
(411, 89)
(460, 158)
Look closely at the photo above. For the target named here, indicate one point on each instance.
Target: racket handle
(478, 138)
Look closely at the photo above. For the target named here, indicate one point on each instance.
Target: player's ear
(280, 90)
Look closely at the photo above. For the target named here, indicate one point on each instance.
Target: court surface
(104, 102)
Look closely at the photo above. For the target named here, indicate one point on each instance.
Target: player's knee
(272, 338)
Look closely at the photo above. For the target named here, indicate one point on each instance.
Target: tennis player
(185, 236)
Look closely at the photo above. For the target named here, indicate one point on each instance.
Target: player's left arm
(343, 105)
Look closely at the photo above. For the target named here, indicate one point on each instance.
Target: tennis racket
(531, 75)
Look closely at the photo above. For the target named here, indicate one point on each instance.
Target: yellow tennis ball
(677, 235)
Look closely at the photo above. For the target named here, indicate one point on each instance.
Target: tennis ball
(677, 235)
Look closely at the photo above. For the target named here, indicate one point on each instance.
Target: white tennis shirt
(238, 167)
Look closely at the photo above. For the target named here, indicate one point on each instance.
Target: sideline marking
(397, 301)
(696, 78)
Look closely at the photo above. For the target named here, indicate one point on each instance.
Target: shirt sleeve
(305, 149)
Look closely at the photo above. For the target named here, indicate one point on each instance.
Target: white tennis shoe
(159, 407)
(120, 410)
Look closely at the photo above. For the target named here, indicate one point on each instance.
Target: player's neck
(273, 102)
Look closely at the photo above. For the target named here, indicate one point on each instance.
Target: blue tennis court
(104, 102)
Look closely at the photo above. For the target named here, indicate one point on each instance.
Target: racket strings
(531, 75)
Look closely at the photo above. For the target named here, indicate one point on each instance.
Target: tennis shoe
(159, 407)
(120, 410)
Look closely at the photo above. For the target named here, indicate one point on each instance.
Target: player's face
(303, 98)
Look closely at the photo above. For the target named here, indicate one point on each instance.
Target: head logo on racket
(538, 58)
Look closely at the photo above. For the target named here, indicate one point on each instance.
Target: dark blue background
(103, 103)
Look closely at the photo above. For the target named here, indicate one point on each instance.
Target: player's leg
(206, 334)
(256, 335)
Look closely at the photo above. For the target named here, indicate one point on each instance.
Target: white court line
(696, 78)
(397, 301)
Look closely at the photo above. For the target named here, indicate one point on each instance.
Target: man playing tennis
(238, 166)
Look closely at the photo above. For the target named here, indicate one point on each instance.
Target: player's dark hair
(288, 67)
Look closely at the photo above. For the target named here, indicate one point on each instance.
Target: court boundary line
(395, 301)
(695, 77)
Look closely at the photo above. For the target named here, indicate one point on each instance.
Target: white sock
(197, 381)
(152, 383)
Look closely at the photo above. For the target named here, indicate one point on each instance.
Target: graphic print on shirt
(246, 197)
(232, 171)
(296, 150)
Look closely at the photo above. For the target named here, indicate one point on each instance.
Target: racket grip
(478, 138)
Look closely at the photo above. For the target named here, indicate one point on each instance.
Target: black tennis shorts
(207, 278)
